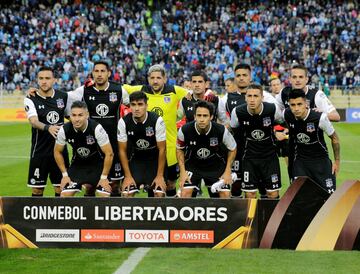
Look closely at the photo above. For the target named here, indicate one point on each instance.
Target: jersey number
(37, 173)
(236, 165)
(246, 176)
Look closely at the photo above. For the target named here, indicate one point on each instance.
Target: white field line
(134, 259)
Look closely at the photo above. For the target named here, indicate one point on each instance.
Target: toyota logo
(83, 152)
(52, 117)
(203, 153)
(102, 109)
(303, 138)
(142, 144)
(257, 134)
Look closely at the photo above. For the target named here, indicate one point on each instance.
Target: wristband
(65, 174)
(103, 177)
(46, 127)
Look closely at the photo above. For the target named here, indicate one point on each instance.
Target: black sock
(116, 194)
(36, 195)
(171, 192)
(57, 194)
(89, 195)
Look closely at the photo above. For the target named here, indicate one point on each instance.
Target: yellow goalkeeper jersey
(165, 105)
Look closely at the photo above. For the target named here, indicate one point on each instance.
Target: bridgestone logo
(57, 235)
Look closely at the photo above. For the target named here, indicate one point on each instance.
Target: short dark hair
(300, 66)
(45, 68)
(138, 96)
(232, 79)
(296, 93)
(274, 78)
(256, 86)
(102, 62)
(200, 73)
(243, 66)
(205, 104)
(79, 104)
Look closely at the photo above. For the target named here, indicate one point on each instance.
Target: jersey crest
(310, 127)
(113, 97)
(60, 103)
(149, 131)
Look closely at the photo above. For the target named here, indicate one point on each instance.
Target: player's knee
(224, 194)
(250, 194)
(37, 191)
(67, 194)
(273, 194)
(186, 193)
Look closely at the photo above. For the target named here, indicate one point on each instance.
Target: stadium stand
(182, 35)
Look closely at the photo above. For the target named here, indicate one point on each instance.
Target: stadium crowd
(214, 35)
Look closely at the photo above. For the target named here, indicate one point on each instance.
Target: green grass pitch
(14, 155)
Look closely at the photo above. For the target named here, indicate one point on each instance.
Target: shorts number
(246, 176)
(37, 173)
(236, 165)
(190, 174)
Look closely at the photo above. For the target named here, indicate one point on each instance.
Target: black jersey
(234, 99)
(205, 150)
(84, 143)
(142, 137)
(307, 135)
(310, 97)
(189, 108)
(104, 107)
(50, 111)
(258, 131)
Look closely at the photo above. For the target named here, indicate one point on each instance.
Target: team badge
(310, 127)
(149, 131)
(266, 121)
(167, 99)
(113, 97)
(90, 140)
(60, 103)
(274, 178)
(214, 141)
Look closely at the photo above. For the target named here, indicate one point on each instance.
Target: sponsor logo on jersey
(146, 236)
(191, 236)
(203, 153)
(142, 144)
(83, 152)
(266, 121)
(60, 103)
(113, 97)
(167, 99)
(233, 103)
(214, 141)
(310, 127)
(149, 131)
(158, 111)
(189, 108)
(102, 235)
(102, 109)
(257, 134)
(52, 117)
(90, 140)
(303, 138)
